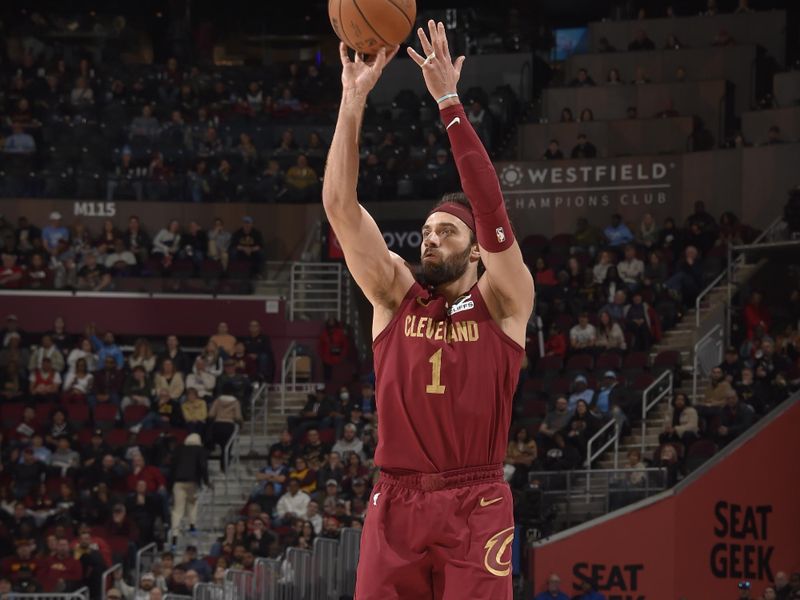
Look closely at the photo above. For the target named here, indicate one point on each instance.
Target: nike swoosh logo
(485, 502)
(455, 121)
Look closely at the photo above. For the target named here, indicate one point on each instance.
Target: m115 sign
(608, 183)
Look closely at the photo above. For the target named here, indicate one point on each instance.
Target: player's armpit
(509, 281)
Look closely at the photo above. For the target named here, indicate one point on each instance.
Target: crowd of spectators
(72, 128)
(97, 442)
(62, 257)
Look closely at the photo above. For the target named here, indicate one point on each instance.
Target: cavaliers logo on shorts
(496, 547)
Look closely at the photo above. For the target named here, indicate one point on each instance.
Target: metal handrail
(715, 330)
(259, 393)
(104, 577)
(646, 406)
(729, 270)
(231, 456)
(138, 569)
(590, 456)
(291, 350)
(81, 594)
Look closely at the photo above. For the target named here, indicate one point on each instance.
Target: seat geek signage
(609, 183)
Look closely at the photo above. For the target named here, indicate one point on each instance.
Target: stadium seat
(78, 415)
(43, 412)
(105, 415)
(560, 386)
(634, 363)
(134, 414)
(667, 360)
(608, 360)
(549, 367)
(147, 437)
(534, 408)
(11, 413)
(117, 438)
(580, 363)
(642, 382)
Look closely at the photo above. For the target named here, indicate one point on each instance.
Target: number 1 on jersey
(436, 387)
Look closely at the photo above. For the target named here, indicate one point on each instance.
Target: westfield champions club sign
(607, 184)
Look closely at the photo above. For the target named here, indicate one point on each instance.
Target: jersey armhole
(412, 291)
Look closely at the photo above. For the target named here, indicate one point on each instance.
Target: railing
(231, 456)
(598, 438)
(81, 594)
(707, 354)
(315, 289)
(259, 394)
(297, 572)
(177, 597)
(145, 557)
(350, 542)
(324, 558)
(661, 388)
(729, 272)
(266, 579)
(238, 585)
(104, 579)
(208, 591)
(610, 489)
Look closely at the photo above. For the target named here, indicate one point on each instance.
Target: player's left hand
(441, 73)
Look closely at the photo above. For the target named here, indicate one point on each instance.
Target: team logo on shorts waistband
(495, 549)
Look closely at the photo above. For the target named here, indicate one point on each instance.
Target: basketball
(368, 25)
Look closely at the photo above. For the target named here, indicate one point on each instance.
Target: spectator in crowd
(20, 142)
(170, 380)
(219, 241)
(294, 503)
(45, 382)
(580, 391)
(731, 365)
(238, 382)
(61, 572)
(53, 233)
(618, 307)
(609, 393)
(175, 353)
(582, 79)
(716, 395)
(93, 276)
(189, 471)
(167, 243)
(755, 314)
(142, 356)
(247, 244)
(136, 240)
(581, 427)
(735, 418)
(553, 591)
(613, 77)
(349, 443)
(566, 115)
(195, 412)
(687, 280)
(302, 181)
(583, 336)
(556, 344)
(631, 268)
(555, 421)
(201, 380)
(587, 237)
(259, 348)
(681, 423)
(224, 340)
(553, 152)
(47, 349)
(641, 42)
(333, 346)
(584, 148)
(225, 414)
(617, 234)
(610, 337)
(647, 235)
(600, 270)
(137, 390)
(78, 383)
(586, 115)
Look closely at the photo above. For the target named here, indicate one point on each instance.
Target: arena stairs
(584, 506)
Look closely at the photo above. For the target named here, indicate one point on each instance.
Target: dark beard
(448, 270)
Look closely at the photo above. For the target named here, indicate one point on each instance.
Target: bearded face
(438, 269)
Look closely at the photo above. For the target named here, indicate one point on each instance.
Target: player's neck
(453, 290)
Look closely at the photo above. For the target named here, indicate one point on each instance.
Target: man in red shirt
(10, 273)
(756, 314)
(155, 480)
(61, 572)
(447, 357)
(11, 565)
(333, 344)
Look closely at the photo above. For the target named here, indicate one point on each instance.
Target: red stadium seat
(117, 438)
(105, 415)
(534, 408)
(608, 360)
(11, 413)
(549, 366)
(327, 436)
(148, 437)
(43, 412)
(560, 386)
(79, 415)
(580, 362)
(178, 434)
(642, 382)
(134, 414)
(668, 360)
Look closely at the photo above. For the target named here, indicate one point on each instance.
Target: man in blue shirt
(20, 141)
(107, 347)
(617, 233)
(54, 232)
(553, 591)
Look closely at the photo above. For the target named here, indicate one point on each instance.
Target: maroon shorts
(440, 536)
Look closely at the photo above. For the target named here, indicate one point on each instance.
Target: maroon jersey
(445, 381)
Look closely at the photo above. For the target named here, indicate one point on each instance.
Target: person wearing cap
(609, 393)
(247, 244)
(191, 562)
(275, 472)
(54, 232)
(580, 391)
(188, 472)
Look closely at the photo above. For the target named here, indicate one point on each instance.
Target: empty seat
(105, 415)
(608, 360)
(580, 362)
(133, 414)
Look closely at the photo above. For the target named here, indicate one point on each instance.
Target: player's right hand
(359, 76)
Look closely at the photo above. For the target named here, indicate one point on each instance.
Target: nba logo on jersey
(501, 235)
(465, 303)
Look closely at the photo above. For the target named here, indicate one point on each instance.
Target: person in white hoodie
(201, 380)
(47, 350)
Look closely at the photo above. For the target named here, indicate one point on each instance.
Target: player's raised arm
(508, 277)
(380, 274)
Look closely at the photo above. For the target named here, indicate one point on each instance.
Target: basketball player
(447, 359)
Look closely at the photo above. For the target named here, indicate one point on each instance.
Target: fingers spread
(415, 56)
(434, 33)
(426, 45)
(443, 49)
(459, 64)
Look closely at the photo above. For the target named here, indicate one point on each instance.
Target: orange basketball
(369, 25)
